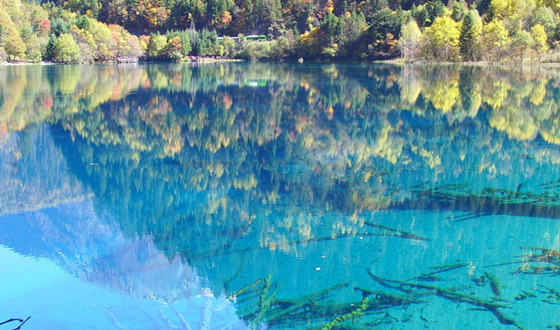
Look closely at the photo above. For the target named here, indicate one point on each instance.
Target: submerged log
(21, 322)
(448, 294)
(495, 284)
(490, 202)
(439, 269)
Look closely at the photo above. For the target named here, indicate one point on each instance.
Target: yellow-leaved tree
(539, 36)
(494, 39)
(442, 39)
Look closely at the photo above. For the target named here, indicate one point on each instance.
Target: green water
(260, 195)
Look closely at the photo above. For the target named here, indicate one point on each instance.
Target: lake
(262, 195)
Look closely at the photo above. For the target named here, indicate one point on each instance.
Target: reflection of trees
(202, 145)
(235, 130)
(34, 94)
(29, 172)
(253, 156)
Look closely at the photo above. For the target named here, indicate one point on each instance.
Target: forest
(86, 31)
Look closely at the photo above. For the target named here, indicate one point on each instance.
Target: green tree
(86, 7)
(434, 10)
(353, 27)
(459, 10)
(173, 49)
(267, 16)
(206, 44)
(66, 50)
(33, 48)
(546, 17)
(228, 46)
(156, 45)
(379, 39)
(370, 7)
(186, 43)
(216, 11)
(182, 13)
(420, 14)
(470, 31)
(256, 50)
(521, 42)
(331, 30)
(48, 55)
(383, 22)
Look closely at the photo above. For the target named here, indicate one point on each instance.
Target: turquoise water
(247, 195)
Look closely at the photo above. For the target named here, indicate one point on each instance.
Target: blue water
(251, 195)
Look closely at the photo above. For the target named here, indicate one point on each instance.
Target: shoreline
(395, 61)
(185, 60)
(402, 61)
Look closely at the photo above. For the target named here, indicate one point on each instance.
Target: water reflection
(306, 194)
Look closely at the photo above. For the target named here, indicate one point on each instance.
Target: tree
(546, 17)
(353, 27)
(470, 31)
(383, 22)
(409, 43)
(521, 42)
(380, 36)
(15, 46)
(156, 45)
(370, 7)
(539, 35)
(33, 46)
(516, 12)
(420, 14)
(174, 48)
(494, 39)
(182, 13)
(105, 47)
(442, 39)
(331, 30)
(66, 50)
(483, 6)
(114, 11)
(267, 16)
(434, 10)
(228, 46)
(459, 10)
(187, 43)
(86, 7)
(152, 13)
(48, 55)
(206, 43)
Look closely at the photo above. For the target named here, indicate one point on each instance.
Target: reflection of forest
(256, 103)
(257, 155)
(175, 137)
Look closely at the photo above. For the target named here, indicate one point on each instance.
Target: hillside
(82, 31)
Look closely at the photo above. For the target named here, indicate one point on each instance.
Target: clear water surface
(247, 195)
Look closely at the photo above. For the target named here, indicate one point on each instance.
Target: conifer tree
(469, 31)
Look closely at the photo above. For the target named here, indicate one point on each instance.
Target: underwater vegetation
(327, 196)
(316, 310)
